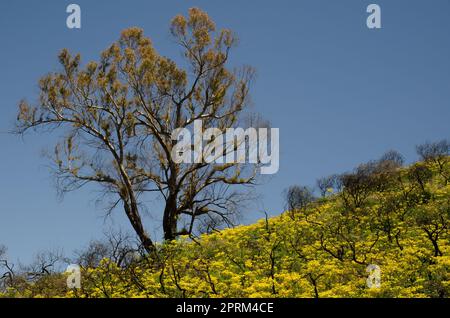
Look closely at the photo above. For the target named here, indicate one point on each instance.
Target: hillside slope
(396, 219)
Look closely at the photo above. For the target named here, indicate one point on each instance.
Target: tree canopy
(118, 114)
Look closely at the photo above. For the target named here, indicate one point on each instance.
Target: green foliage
(322, 250)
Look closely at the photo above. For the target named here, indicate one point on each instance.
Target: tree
(2, 250)
(45, 263)
(116, 247)
(436, 152)
(298, 197)
(118, 116)
(392, 157)
(327, 184)
(433, 150)
(358, 185)
(375, 175)
(419, 174)
(6, 269)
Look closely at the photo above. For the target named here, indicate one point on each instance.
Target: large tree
(117, 116)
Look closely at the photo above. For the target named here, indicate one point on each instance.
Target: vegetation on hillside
(380, 214)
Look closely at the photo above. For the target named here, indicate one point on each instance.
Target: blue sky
(340, 93)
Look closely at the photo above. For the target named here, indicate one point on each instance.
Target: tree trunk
(135, 220)
(170, 218)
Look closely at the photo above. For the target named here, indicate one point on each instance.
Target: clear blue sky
(340, 93)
